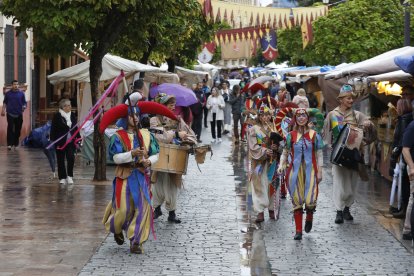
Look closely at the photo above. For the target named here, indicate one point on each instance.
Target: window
(21, 42)
(9, 54)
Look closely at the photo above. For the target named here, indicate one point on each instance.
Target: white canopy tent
(111, 67)
(206, 67)
(396, 76)
(380, 64)
(192, 76)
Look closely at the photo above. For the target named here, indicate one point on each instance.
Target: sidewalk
(47, 228)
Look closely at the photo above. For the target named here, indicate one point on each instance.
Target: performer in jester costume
(134, 150)
(263, 148)
(305, 169)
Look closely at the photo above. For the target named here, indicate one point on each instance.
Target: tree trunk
(95, 72)
(171, 64)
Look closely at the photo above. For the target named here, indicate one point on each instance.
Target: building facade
(16, 63)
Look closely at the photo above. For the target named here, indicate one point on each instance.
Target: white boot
(62, 181)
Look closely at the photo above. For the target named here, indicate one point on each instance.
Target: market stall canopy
(380, 64)
(206, 67)
(191, 76)
(396, 76)
(160, 77)
(111, 66)
(273, 65)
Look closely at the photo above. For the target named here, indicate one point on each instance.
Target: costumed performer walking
(305, 169)
(344, 178)
(167, 131)
(263, 158)
(134, 150)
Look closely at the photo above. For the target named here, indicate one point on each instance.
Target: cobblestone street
(218, 235)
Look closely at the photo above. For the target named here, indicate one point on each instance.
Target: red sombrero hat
(121, 111)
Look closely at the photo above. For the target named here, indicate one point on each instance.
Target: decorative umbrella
(261, 79)
(183, 95)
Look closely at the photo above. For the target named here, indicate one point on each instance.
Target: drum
(345, 151)
(172, 159)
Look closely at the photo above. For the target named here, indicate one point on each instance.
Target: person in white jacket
(215, 106)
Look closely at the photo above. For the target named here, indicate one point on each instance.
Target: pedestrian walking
(134, 150)
(304, 147)
(344, 177)
(207, 92)
(405, 116)
(262, 154)
(408, 153)
(62, 129)
(215, 105)
(225, 92)
(166, 185)
(14, 104)
(237, 103)
(197, 111)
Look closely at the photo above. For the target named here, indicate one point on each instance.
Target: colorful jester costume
(263, 168)
(304, 145)
(130, 208)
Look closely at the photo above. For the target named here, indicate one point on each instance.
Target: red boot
(308, 220)
(283, 191)
(298, 214)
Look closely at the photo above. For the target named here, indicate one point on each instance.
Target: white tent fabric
(111, 67)
(399, 75)
(273, 65)
(192, 76)
(377, 65)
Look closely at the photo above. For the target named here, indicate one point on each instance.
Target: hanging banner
(307, 33)
(207, 53)
(269, 45)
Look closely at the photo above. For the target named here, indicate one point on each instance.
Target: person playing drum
(344, 178)
(262, 154)
(305, 169)
(134, 150)
(166, 185)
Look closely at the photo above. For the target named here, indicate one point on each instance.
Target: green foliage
(177, 35)
(358, 30)
(351, 32)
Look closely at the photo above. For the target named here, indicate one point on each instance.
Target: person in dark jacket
(237, 102)
(63, 127)
(405, 116)
(197, 111)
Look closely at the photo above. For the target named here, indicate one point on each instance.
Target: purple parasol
(183, 95)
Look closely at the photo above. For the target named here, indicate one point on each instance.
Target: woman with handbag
(63, 125)
(215, 106)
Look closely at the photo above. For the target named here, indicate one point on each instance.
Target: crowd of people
(285, 134)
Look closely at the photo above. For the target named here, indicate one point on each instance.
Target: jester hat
(121, 111)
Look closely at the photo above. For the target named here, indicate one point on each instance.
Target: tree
(95, 25)
(176, 38)
(358, 30)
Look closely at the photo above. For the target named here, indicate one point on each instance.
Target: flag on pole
(269, 45)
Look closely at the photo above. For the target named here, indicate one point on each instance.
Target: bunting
(248, 15)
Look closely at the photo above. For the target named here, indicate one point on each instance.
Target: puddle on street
(253, 256)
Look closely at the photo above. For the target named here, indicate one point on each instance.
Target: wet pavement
(50, 229)
(47, 228)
